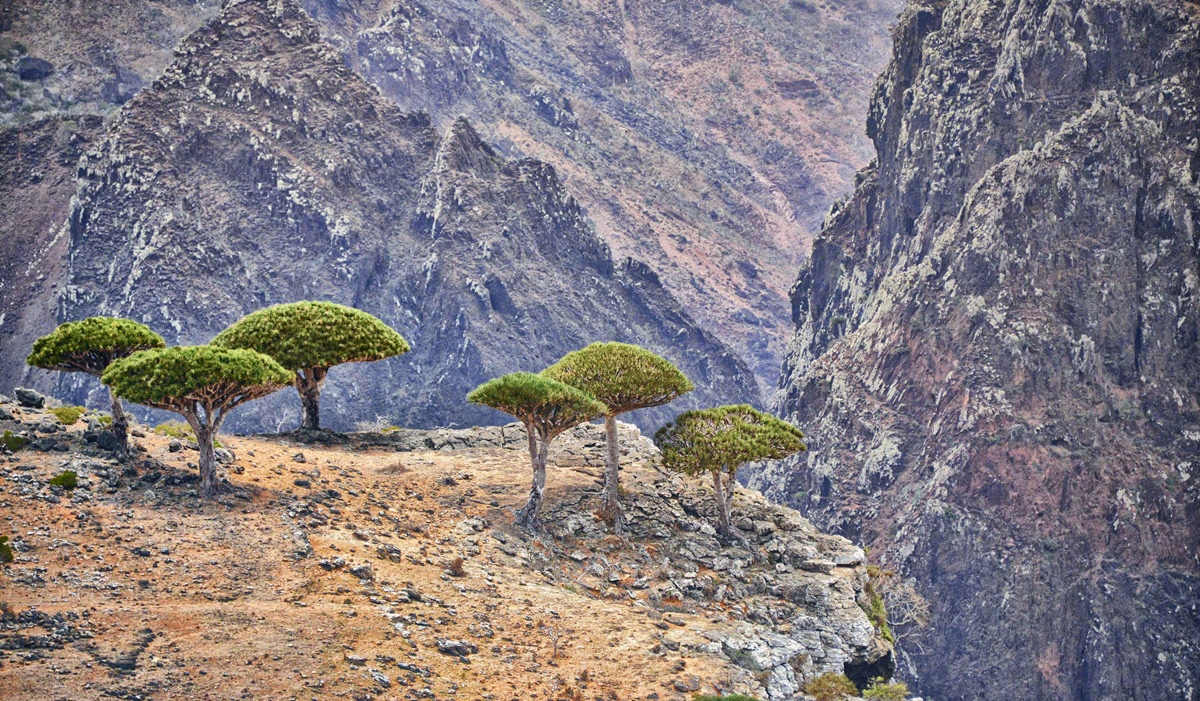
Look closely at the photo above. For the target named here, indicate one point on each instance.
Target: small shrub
(6, 553)
(174, 429)
(65, 479)
(105, 420)
(68, 414)
(896, 691)
(12, 441)
(831, 687)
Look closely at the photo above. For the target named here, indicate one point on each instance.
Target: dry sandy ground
(162, 595)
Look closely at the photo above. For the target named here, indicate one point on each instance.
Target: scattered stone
(456, 648)
(299, 457)
(30, 68)
(355, 660)
(301, 482)
(29, 398)
(363, 572)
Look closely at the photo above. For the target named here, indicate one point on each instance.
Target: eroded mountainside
(388, 568)
(706, 139)
(260, 169)
(997, 343)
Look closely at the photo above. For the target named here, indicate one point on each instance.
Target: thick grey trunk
(539, 452)
(120, 424)
(725, 522)
(611, 507)
(208, 459)
(308, 384)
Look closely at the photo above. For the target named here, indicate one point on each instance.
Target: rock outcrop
(996, 347)
(260, 169)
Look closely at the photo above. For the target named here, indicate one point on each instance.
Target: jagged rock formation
(707, 138)
(704, 138)
(997, 341)
(37, 181)
(260, 169)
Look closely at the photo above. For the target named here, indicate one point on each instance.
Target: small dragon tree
(625, 378)
(90, 346)
(308, 338)
(547, 408)
(720, 440)
(201, 383)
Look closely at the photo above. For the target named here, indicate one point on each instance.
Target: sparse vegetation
(201, 383)
(831, 687)
(175, 429)
(6, 553)
(68, 415)
(625, 378)
(12, 441)
(547, 408)
(719, 441)
(874, 607)
(724, 697)
(67, 479)
(91, 346)
(880, 690)
(308, 338)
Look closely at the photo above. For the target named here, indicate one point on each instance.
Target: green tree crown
(165, 378)
(90, 345)
(549, 406)
(313, 335)
(724, 438)
(625, 377)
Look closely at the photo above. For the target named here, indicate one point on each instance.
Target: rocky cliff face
(706, 138)
(997, 342)
(37, 181)
(260, 169)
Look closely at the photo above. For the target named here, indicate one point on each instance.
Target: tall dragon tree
(309, 338)
(202, 384)
(547, 408)
(720, 440)
(90, 346)
(625, 378)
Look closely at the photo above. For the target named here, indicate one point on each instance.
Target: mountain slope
(996, 347)
(260, 169)
(705, 138)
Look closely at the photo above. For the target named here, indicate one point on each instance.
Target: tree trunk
(120, 424)
(538, 453)
(308, 384)
(726, 524)
(611, 508)
(208, 459)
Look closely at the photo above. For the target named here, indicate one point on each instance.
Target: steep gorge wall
(260, 169)
(997, 344)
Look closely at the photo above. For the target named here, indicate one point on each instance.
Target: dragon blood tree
(308, 338)
(547, 408)
(90, 346)
(718, 441)
(625, 378)
(201, 383)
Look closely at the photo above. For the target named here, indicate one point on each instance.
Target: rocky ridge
(259, 169)
(357, 573)
(995, 348)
